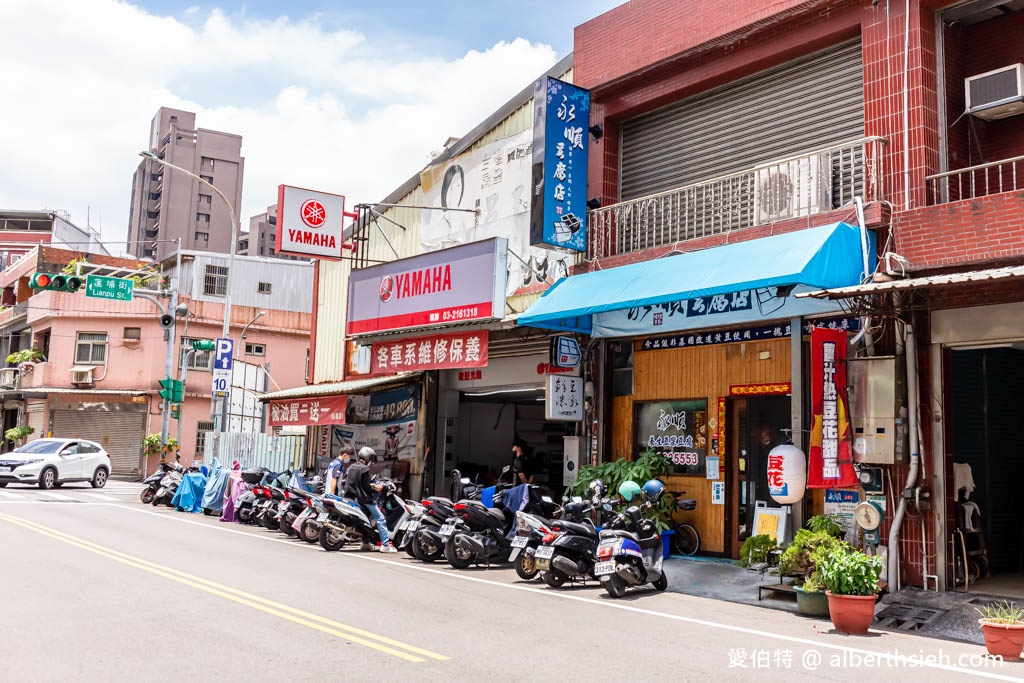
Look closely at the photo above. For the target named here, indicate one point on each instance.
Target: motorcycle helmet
(653, 488)
(366, 453)
(597, 488)
(629, 490)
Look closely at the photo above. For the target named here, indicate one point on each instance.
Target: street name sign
(112, 288)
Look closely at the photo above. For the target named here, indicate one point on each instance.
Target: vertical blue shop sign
(561, 123)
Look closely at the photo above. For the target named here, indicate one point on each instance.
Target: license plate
(282, 506)
(5, 469)
(308, 512)
(520, 542)
(544, 552)
(447, 530)
(603, 568)
(322, 517)
(412, 525)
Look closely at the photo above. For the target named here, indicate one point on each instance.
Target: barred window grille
(263, 288)
(216, 281)
(203, 427)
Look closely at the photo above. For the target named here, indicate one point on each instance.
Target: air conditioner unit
(996, 94)
(81, 375)
(8, 378)
(789, 189)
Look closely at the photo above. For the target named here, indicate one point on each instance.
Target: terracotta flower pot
(851, 614)
(1004, 640)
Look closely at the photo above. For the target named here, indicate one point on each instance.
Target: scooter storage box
(252, 475)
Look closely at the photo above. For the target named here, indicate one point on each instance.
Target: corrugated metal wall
(807, 104)
(291, 282)
(276, 453)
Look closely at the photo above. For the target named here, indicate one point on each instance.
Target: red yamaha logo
(313, 213)
(387, 288)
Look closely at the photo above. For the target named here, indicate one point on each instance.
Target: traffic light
(203, 345)
(56, 282)
(176, 411)
(172, 390)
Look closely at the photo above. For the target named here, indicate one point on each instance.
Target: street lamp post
(226, 332)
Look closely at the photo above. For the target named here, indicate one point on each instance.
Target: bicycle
(686, 539)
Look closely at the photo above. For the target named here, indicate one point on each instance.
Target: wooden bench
(783, 588)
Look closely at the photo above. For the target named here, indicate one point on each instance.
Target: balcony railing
(1006, 175)
(804, 185)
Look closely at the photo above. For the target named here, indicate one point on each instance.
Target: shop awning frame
(354, 386)
(825, 257)
(947, 279)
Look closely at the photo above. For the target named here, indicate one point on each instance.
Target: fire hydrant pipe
(910, 349)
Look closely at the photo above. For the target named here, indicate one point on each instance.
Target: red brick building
(728, 123)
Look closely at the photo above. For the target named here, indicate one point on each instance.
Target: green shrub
(845, 571)
(1004, 612)
(755, 549)
(800, 556)
(826, 524)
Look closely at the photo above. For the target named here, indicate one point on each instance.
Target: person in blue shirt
(336, 469)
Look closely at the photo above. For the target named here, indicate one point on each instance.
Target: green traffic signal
(55, 282)
(172, 390)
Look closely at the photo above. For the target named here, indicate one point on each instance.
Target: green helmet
(629, 489)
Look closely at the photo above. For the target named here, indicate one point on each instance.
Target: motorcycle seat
(575, 528)
(687, 504)
(619, 533)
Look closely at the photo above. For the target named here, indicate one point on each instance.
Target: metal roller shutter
(807, 104)
(35, 417)
(120, 433)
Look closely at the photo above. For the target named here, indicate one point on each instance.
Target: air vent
(996, 94)
(81, 376)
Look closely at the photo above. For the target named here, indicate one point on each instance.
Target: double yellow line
(410, 653)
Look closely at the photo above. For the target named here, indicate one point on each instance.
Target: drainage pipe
(910, 349)
(865, 321)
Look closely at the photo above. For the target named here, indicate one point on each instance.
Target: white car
(53, 462)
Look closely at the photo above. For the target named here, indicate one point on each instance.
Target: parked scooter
(484, 535)
(344, 520)
(423, 538)
(168, 484)
(152, 482)
(632, 558)
(244, 504)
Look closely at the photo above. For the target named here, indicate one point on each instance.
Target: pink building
(104, 359)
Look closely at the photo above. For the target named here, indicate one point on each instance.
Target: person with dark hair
(336, 469)
(453, 189)
(521, 466)
(359, 488)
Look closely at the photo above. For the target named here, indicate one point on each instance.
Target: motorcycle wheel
(147, 496)
(270, 523)
(208, 512)
(423, 556)
(662, 583)
(451, 554)
(244, 515)
(554, 578)
(526, 567)
(615, 586)
(330, 540)
(286, 526)
(310, 532)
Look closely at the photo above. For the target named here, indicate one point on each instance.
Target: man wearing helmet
(359, 488)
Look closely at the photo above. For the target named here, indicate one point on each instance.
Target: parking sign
(222, 360)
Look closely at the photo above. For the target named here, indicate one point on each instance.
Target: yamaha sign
(461, 284)
(309, 223)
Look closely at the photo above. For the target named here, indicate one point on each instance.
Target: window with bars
(197, 360)
(263, 287)
(216, 282)
(203, 427)
(91, 348)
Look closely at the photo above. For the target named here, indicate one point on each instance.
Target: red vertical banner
(830, 457)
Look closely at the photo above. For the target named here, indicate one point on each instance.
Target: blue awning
(825, 257)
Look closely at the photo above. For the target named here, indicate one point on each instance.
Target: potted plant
(851, 581)
(825, 524)
(31, 355)
(18, 434)
(801, 557)
(1002, 626)
(755, 549)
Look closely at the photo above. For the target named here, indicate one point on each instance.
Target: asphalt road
(100, 590)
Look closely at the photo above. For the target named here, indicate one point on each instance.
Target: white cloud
(318, 108)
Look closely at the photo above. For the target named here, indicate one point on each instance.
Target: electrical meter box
(878, 409)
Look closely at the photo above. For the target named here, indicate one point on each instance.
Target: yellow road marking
(381, 643)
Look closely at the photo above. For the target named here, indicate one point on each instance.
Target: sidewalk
(948, 616)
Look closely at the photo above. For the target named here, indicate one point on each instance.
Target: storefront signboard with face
(676, 430)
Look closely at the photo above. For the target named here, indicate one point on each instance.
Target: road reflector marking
(384, 644)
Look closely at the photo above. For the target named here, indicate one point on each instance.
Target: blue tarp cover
(825, 257)
(213, 494)
(189, 496)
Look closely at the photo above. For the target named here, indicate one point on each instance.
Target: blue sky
(347, 97)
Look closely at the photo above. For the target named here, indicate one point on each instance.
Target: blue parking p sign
(223, 353)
